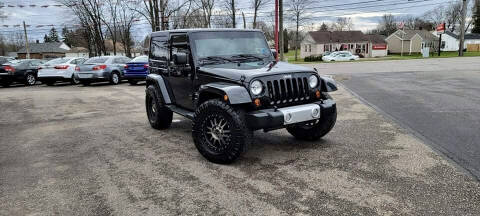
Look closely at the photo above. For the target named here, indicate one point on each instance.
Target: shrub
(313, 58)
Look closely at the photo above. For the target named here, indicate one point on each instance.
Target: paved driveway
(438, 99)
(69, 150)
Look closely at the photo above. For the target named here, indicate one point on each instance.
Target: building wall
(395, 45)
(451, 43)
(41, 55)
(377, 52)
(416, 46)
(81, 54)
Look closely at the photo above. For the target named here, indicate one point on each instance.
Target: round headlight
(313, 81)
(256, 87)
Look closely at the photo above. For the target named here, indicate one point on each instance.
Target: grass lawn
(291, 56)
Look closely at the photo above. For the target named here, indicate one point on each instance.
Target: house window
(326, 48)
(306, 49)
(309, 48)
(443, 45)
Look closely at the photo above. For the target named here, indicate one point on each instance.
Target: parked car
(5, 59)
(22, 71)
(60, 69)
(103, 68)
(136, 70)
(340, 56)
(229, 84)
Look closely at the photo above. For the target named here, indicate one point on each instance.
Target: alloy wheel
(217, 133)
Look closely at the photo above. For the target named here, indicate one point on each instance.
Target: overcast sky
(364, 13)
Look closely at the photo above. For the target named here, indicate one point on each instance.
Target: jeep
(228, 83)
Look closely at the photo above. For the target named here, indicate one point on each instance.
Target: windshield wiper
(214, 60)
(247, 57)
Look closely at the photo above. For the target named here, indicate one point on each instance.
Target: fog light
(257, 102)
(225, 97)
(315, 112)
(318, 94)
(288, 117)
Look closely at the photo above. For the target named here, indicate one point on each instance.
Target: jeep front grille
(288, 90)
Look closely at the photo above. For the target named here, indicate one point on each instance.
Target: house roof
(409, 34)
(78, 50)
(322, 37)
(376, 38)
(472, 36)
(53, 47)
(451, 34)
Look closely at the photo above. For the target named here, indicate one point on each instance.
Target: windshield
(96, 60)
(58, 61)
(140, 59)
(231, 45)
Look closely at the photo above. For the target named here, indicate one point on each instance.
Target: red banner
(379, 46)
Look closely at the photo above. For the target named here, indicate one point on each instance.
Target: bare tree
(158, 12)
(231, 9)
(297, 10)
(387, 25)
(342, 24)
(111, 21)
(207, 8)
(257, 5)
(126, 18)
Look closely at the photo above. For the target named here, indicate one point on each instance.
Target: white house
(77, 52)
(449, 41)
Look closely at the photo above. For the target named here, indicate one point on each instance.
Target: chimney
(38, 41)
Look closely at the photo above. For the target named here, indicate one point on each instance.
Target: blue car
(136, 70)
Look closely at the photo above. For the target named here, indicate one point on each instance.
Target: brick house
(44, 50)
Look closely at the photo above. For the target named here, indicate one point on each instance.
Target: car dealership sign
(379, 46)
(441, 28)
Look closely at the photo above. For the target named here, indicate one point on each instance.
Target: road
(438, 99)
(72, 150)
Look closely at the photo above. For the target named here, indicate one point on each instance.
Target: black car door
(181, 75)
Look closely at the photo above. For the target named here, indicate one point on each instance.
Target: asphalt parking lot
(72, 150)
(437, 99)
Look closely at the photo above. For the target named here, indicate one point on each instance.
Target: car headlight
(256, 87)
(313, 81)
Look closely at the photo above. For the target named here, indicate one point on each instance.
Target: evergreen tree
(67, 36)
(323, 27)
(53, 35)
(476, 18)
(46, 39)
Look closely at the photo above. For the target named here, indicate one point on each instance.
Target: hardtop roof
(158, 33)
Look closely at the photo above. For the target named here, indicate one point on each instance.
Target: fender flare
(237, 94)
(159, 83)
(328, 84)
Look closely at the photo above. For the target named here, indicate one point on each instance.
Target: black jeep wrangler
(228, 83)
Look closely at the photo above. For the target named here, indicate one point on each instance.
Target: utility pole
(233, 14)
(244, 21)
(26, 40)
(276, 29)
(462, 28)
(280, 28)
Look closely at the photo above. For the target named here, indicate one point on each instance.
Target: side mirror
(180, 59)
(274, 53)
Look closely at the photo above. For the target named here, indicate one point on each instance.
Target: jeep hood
(235, 74)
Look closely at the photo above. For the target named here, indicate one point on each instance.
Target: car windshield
(58, 61)
(230, 46)
(96, 60)
(140, 59)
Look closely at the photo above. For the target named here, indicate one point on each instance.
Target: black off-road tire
(133, 82)
(316, 130)
(115, 80)
(240, 135)
(159, 116)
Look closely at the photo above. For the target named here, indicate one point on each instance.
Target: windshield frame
(192, 37)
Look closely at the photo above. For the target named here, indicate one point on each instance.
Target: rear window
(140, 59)
(58, 61)
(14, 62)
(96, 60)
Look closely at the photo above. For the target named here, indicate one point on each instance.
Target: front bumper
(270, 119)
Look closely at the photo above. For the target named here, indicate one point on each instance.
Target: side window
(179, 45)
(158, 55)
